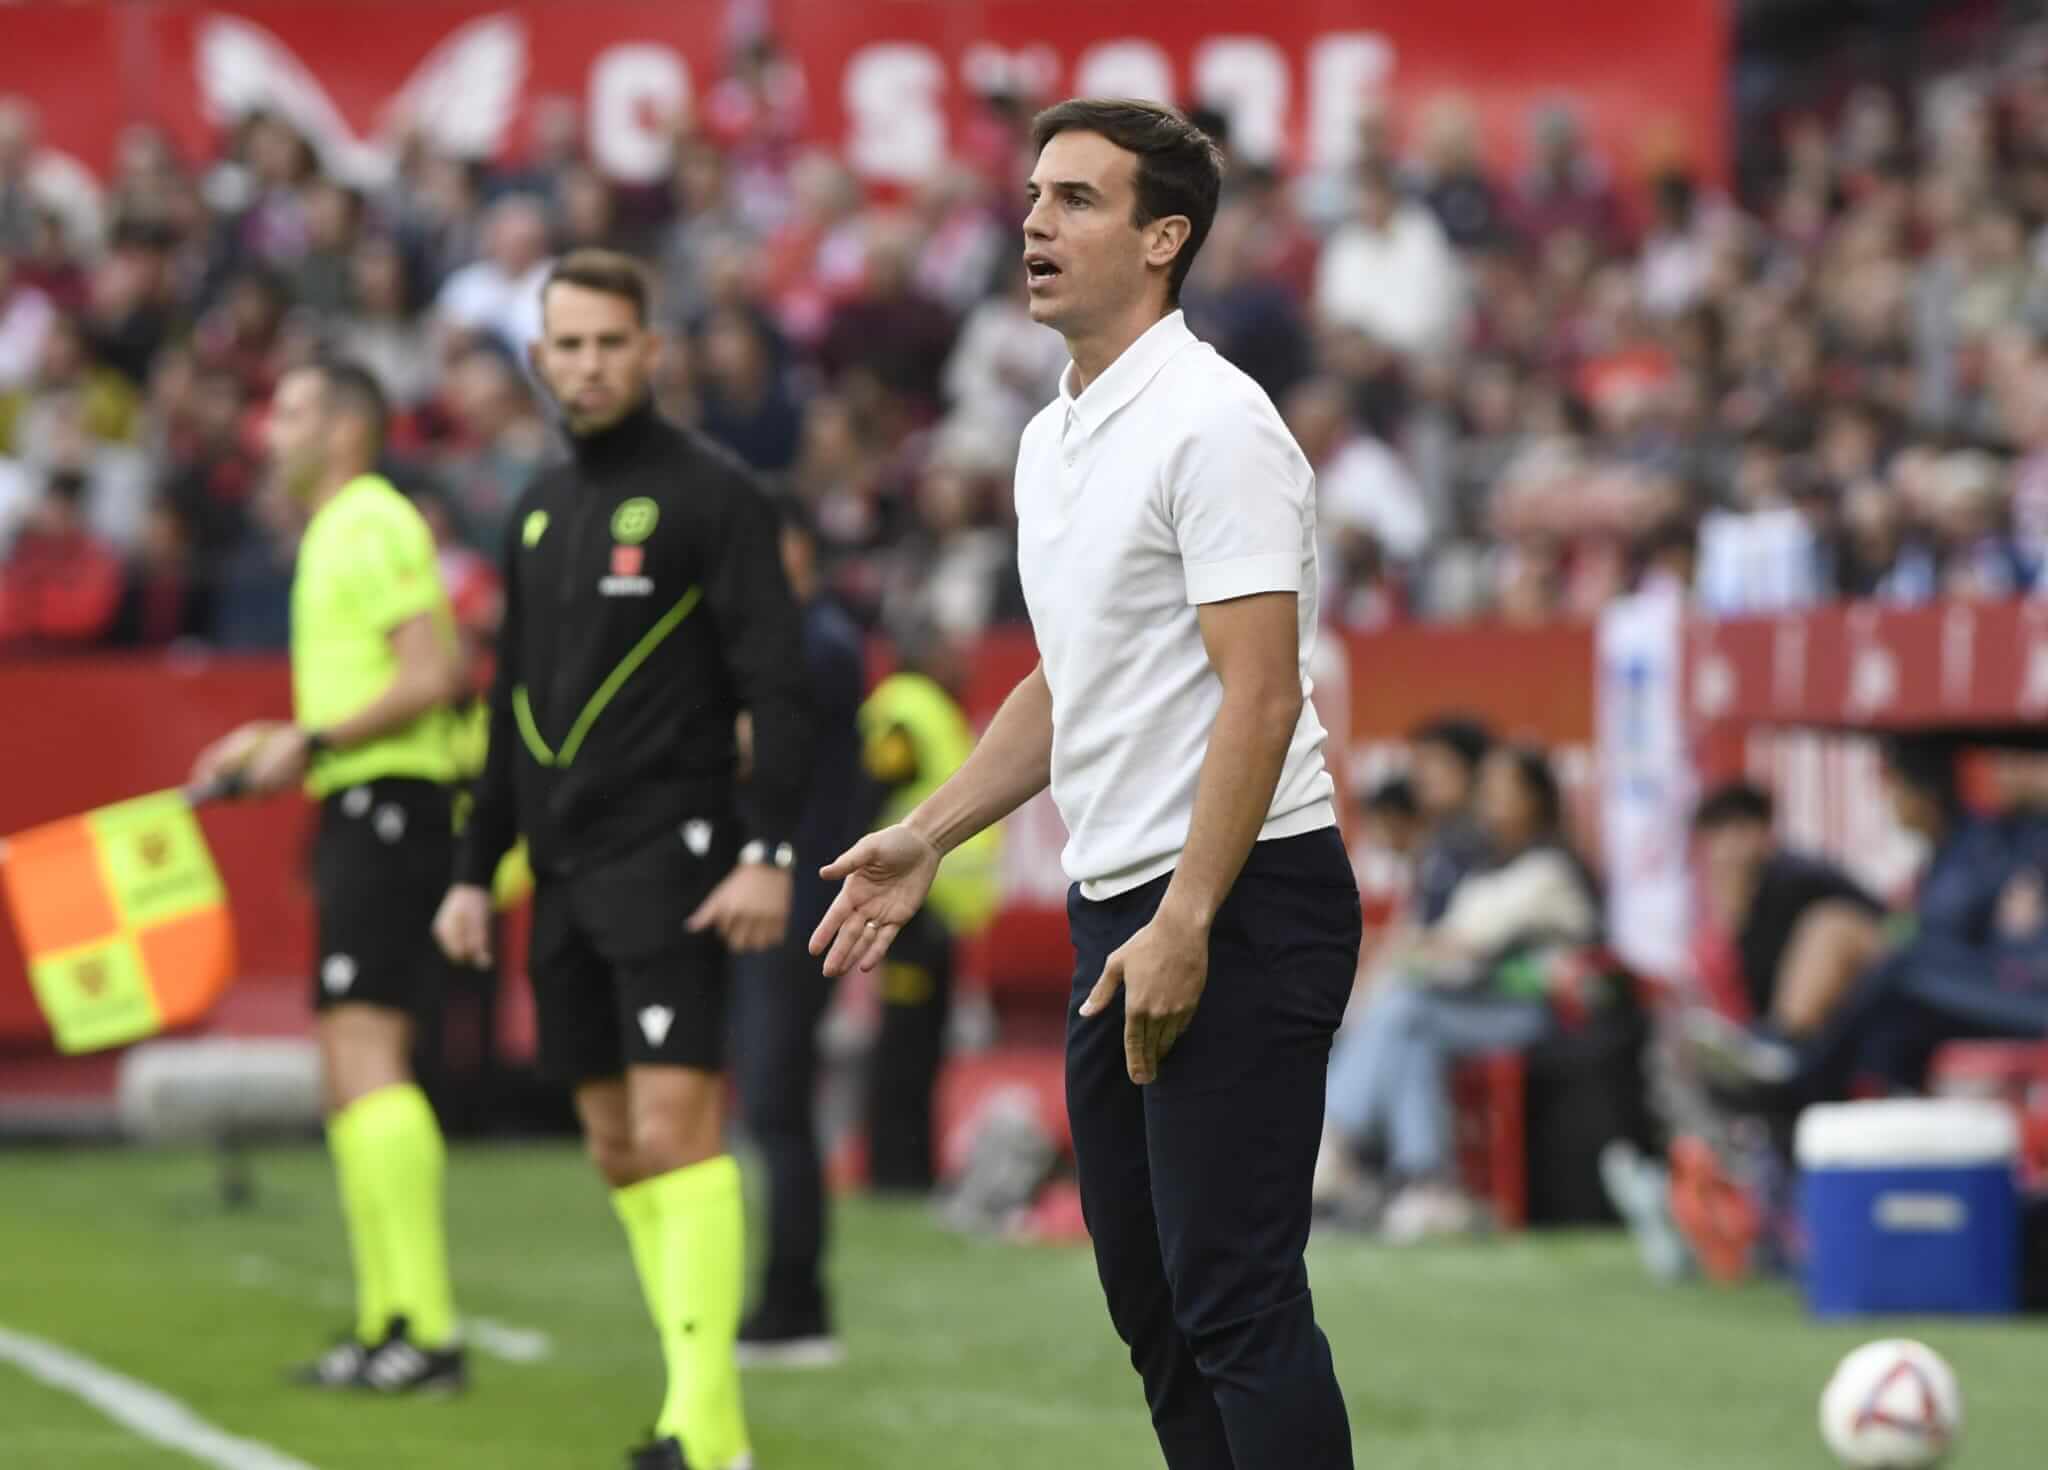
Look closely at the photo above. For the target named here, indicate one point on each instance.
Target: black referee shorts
(618, 980)
(383, 857)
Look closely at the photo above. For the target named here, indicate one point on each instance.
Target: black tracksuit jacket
(645, 606)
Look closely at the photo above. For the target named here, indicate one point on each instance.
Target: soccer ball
(1892, 1405)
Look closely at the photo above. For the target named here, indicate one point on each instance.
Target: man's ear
(1170, 237)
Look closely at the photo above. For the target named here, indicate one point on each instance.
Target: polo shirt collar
(1123, 379)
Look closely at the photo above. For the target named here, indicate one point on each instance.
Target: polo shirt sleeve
(391, 573)
(1238, 503)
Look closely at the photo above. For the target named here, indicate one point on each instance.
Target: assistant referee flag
(122, 918)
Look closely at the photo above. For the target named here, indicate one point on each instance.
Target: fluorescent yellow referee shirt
(366, 565)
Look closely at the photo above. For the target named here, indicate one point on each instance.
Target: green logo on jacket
(536, 526)
(634, 521)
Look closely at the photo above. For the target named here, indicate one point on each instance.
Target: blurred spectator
(556, 149)
(887, 347)
(60, 585)
(322, 276)
(134, 307)
(50, 264)
(955, 571)
(253, 580)
(213, 475)
(383, 331)
(440, 214)
(1390, 273)
(1446, 753)
(1979, 558)
(1450, 177)
(1392, 819)
(38, 185)
(706, 220)
(816, 255)
(503, 445)
(964, 236)
(116, 477)
(1242, 307)
(107, 407)
(243, 333)
(1879, 558)
(1370, 515)
(757, 112)
(589, 210)
(840, 475)
(1678, 251)
(744, 400)
(25, 317)
(1462, 987)
(164, 599)
(1004, 366)
(18, 204)
(498, 296)
(1565, 189)
(1790, 932)
(265, 188)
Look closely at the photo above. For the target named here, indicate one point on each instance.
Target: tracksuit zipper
(579, 530)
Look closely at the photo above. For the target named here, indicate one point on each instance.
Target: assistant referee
(1166, 539)
(375, 664)
(646, 606)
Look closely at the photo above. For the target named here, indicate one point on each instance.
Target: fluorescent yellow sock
(701, 1247)
(640, 1212)
(395, 1127)
(365, 1235)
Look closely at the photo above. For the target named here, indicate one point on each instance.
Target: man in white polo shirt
(1167, 543)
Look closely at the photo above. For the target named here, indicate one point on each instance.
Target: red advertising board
(890, 83)
(1962, 665)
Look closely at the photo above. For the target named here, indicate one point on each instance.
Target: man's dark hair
(1180, 170)
(1532, 767)
(352, 388)
(1393, 798)
(1927, 763)
(606, 271)
(1466, 738)
(1731, 803)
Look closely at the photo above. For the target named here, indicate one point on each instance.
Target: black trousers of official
(917, 1001)
(779, 997)
(1195, 1188)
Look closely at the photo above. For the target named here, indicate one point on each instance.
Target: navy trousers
(1196, 1188)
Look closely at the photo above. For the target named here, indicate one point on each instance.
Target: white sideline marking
(154, 1416)
(502, 1340)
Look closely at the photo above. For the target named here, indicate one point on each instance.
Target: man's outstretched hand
(887, 873)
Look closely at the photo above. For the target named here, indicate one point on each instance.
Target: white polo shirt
(1170, 482)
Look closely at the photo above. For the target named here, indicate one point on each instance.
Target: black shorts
(618, 980)
(383, 856)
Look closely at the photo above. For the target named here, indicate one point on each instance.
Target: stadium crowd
(1519, 392)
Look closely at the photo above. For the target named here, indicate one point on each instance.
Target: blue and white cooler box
(1910, 1206)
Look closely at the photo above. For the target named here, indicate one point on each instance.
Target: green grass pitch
(1532, 1353)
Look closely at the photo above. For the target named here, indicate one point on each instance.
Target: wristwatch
(783, 857)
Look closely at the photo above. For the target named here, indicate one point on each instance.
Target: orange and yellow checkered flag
(123, 918)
